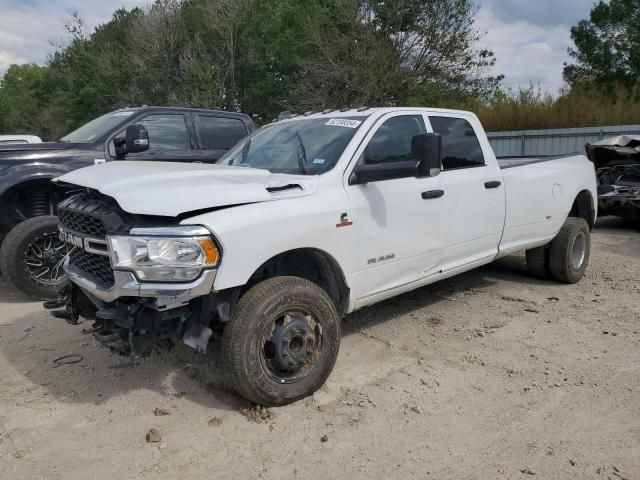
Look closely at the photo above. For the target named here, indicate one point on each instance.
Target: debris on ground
(215, 421)
(617, 473)
(257, 414)
(160, 412)
(67, 360)
(514, 299)
(412, 408)
(153, 436)
(23, 337)
(526, 471)
(324, 438)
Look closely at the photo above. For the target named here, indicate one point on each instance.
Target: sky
(529, 37)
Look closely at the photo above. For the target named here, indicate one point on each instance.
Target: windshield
(93, 130)
(307, 147)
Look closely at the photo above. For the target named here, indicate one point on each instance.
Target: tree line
(266, 56)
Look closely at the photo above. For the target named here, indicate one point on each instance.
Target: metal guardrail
(553, 142)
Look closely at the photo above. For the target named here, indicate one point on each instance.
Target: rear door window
(219, 133)
(460, 144)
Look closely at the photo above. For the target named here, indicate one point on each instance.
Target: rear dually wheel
(569, 251)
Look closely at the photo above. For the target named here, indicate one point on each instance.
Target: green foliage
(24, 95)
(607, 52)
(256, 56)
(412, 52)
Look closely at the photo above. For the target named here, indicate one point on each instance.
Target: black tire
(538, 262)
(569, 251)
(251, 353)
(17, 252)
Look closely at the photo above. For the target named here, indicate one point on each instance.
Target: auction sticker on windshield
(344, 122)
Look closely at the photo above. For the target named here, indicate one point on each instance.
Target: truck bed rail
(519, 161)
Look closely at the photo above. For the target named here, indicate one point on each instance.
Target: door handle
(493, 184)
(432, 194)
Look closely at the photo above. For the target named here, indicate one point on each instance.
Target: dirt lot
(489, 375)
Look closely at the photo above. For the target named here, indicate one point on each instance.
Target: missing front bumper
(131, 319)
(126, 285)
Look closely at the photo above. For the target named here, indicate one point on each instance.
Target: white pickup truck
(308, 219)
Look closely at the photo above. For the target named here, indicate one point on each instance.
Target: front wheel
(32, 255)
(282, 341)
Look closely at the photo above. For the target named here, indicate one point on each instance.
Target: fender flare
(14, 177)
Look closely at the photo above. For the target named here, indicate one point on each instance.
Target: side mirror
(363, 174)
(427, 148)
(136, 138)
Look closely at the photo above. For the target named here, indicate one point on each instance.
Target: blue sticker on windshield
(319, 161)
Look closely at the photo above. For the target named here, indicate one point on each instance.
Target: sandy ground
(489, 375)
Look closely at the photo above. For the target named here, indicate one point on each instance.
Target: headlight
(161, 258)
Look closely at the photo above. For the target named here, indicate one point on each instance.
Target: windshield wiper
(245, 153)
(302, 159)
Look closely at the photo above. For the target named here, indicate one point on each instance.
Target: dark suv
(31, 255)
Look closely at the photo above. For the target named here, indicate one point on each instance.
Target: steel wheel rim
(44, 258)
(578, 251)
(292, 340)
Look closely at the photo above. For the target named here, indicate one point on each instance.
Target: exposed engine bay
(617, 162)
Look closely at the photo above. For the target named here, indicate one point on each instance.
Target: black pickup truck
(31, 255)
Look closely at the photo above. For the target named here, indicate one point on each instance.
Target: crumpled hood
(171, 188)
(621, 150)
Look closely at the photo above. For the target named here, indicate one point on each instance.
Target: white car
(11, 139)
(303, 222)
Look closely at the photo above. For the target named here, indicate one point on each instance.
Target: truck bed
(539, 197)
(510, 162)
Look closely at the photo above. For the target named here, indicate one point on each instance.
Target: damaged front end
(133, 326)
(143, 284)
(617, 162)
